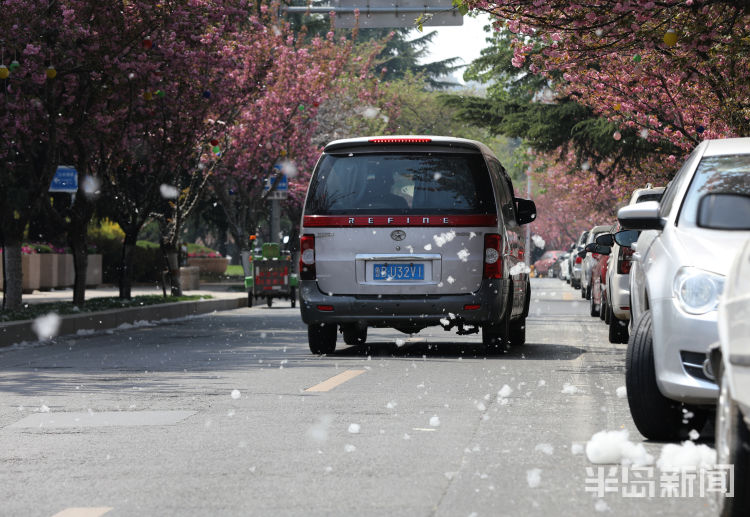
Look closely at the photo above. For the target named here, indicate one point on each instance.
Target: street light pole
(275, 220)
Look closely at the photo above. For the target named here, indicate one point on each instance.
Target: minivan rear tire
(354, 335)
(494, 337)
(322, 338)
(517, 332)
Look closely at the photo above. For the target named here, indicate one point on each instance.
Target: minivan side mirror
(724, 211)
(626, 238)
(525, 211)
(641, 216)
(606, 239)
(582, 253)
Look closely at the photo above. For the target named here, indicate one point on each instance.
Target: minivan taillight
(307, 257)
(623, 261)
(493, 260)
(579, 260)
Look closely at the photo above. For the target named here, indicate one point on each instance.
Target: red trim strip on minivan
(343, 221)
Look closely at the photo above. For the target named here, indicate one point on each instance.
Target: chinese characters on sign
(633, 481)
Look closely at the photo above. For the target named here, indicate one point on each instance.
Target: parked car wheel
(655, 416)
(322, 338)
(618, 330)
(593, 310)
(583, 290)
(608, 314)
(588, 292)
(732, 448)
(603, 308)
(354, 335)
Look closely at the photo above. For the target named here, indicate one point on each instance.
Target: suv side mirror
(606, 239)
(582, 253)
(724, 211)
(525, 211)
(641, 216)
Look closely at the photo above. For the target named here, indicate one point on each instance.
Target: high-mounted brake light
(493, 262)
(307, 257)
(400, 140)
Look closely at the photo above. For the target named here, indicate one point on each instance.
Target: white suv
(408, 232)
(676, 280)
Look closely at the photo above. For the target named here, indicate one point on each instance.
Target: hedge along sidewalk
(12, 332)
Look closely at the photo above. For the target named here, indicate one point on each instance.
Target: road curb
(17, 331)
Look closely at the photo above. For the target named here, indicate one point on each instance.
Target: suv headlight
(697, 291)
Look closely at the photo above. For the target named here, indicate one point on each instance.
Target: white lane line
(83, 512)
(334, 381)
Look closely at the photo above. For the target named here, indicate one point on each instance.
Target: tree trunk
(171, 255)
(126, 265)
(12, 269)
(80, 265)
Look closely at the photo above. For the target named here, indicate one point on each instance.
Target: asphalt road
(146, 421)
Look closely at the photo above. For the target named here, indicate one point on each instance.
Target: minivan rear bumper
(400, 311)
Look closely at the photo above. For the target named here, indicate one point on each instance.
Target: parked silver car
(617, 303)
(681, 261)
(730, 361)
(576, 261)
(410, 232)
(589, 259)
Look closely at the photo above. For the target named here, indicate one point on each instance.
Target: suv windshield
(716, 175)
(401, 183)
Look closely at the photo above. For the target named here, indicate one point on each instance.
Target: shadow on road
(437, 350)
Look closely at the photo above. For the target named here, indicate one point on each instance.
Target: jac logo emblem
(398, 235)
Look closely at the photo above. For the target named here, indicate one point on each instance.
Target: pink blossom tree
(670, 73)
(278, 132)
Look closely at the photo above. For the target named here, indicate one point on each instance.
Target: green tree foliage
(406, 49)
(402, 54)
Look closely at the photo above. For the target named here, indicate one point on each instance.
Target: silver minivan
(408, 232)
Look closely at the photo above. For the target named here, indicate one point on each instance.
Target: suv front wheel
(322, 338)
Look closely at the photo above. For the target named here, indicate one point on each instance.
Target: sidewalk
(217, 290)
(224, 297)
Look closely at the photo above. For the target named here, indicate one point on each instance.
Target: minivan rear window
(401, 183)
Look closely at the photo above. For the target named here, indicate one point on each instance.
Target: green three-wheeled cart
(271, 276)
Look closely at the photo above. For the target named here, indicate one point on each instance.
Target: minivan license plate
(398, 272)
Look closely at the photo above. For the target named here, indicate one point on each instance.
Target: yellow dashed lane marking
(83, 512)
(336, 380)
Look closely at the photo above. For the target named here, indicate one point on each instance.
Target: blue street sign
(65, 180)
(283, 185)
